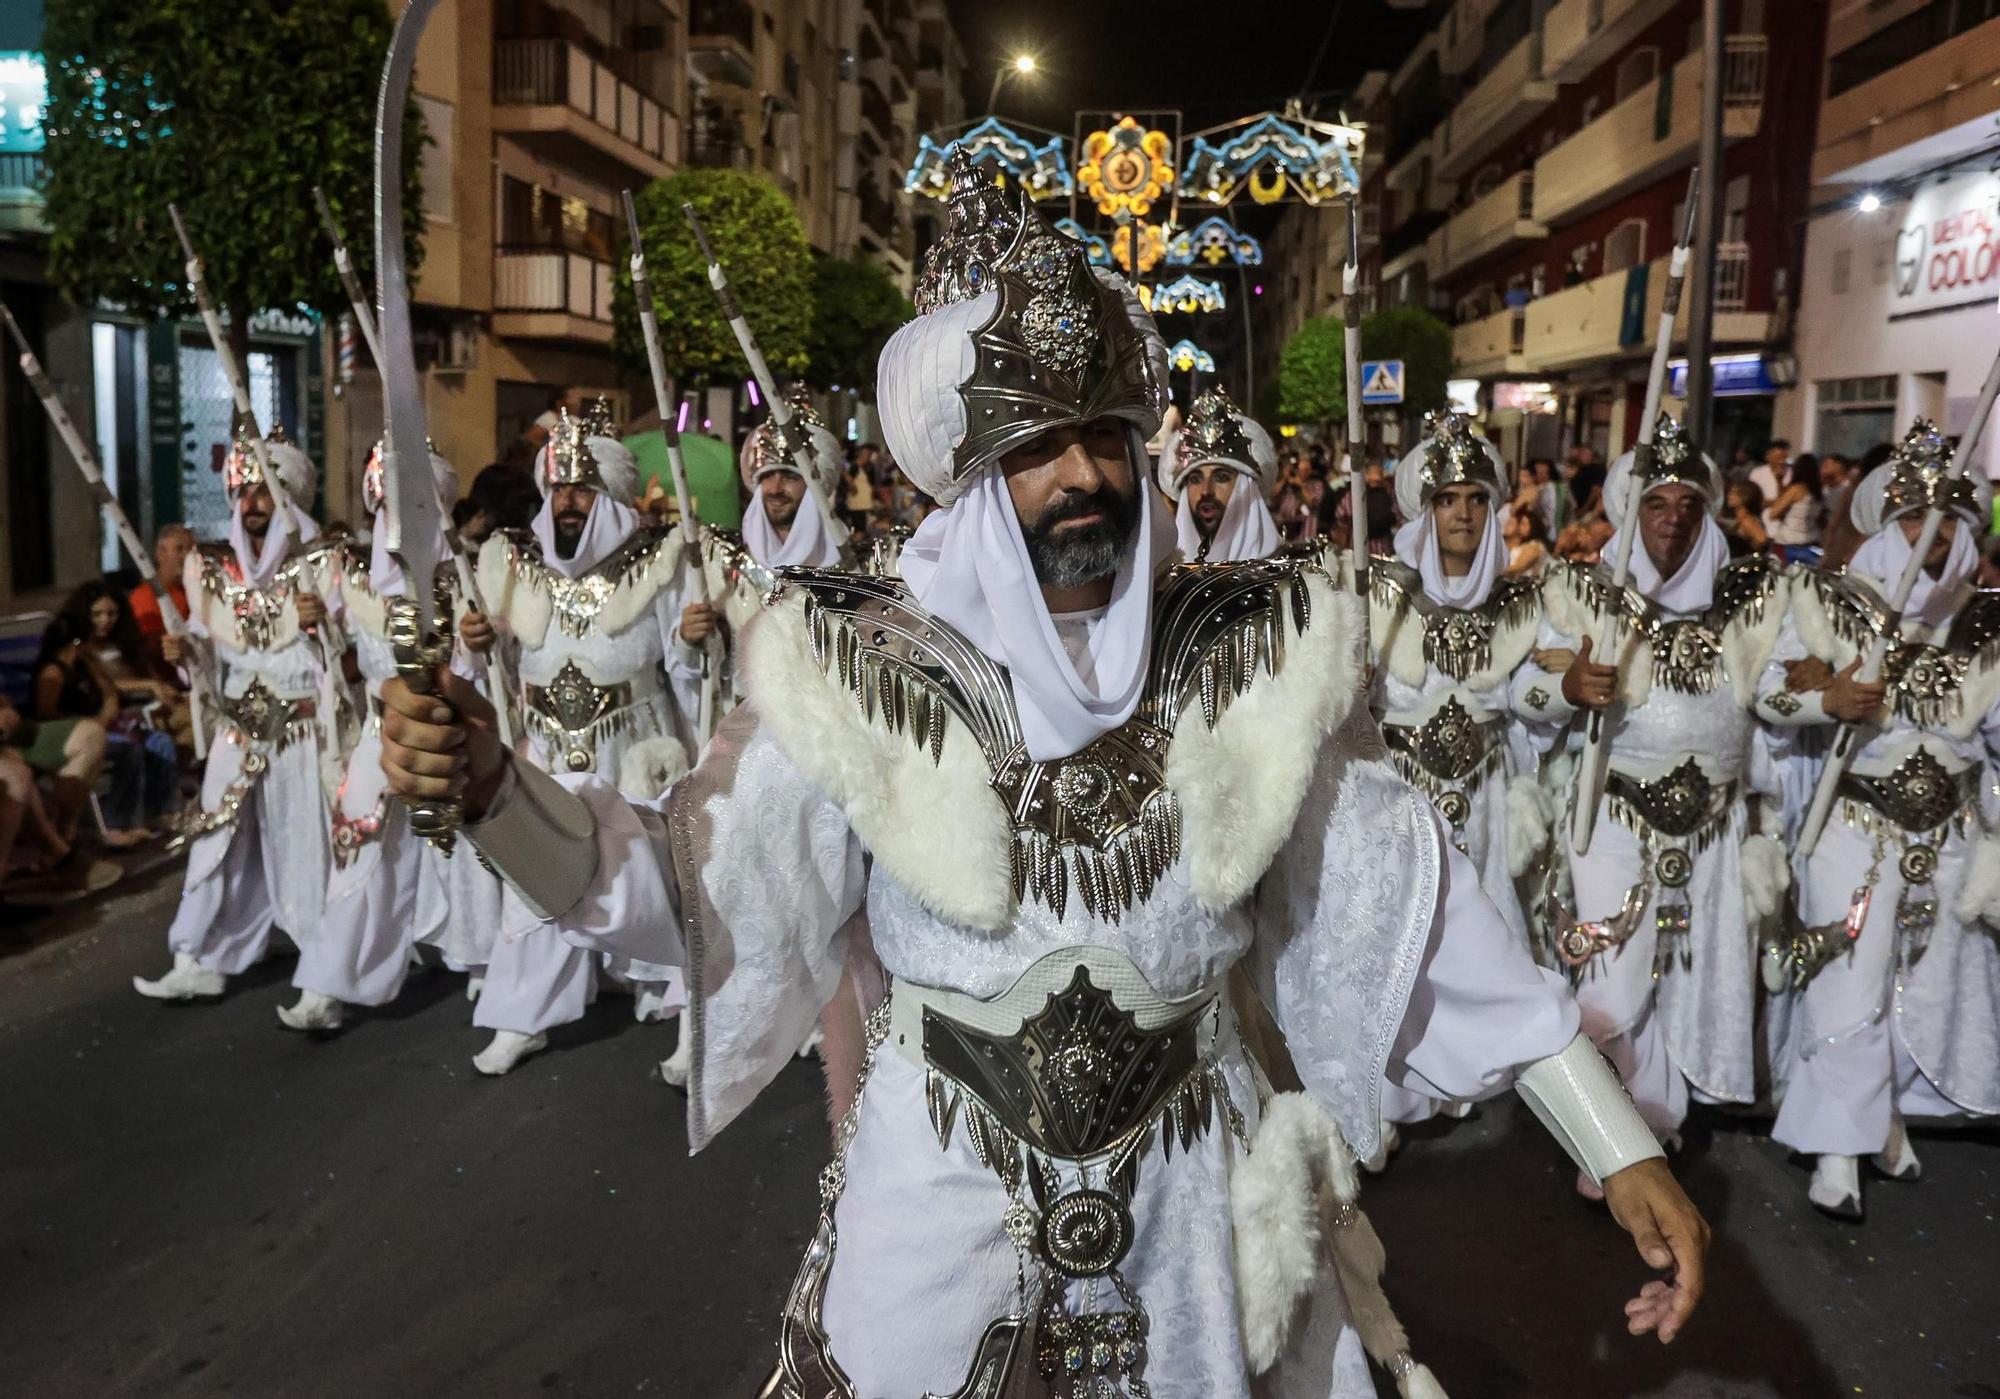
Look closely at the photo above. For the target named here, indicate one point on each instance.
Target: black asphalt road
(194, 1202)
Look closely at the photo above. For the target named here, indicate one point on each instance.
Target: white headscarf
(1417, 546)
(810, 543)
(608, 525)
(1245, 531)
(260, 564)
(1933, 601)
(1692, 588)
(969, 567)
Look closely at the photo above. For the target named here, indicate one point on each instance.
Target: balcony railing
(1590, 322)
(552, 281)
(1492, 344)
(1732, 276)
(1651, 132)
(549, 73)
(719, 152)
(1500, 218)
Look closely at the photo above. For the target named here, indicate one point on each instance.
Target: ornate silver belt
(264, 716)
(1680, 804)
(1920, 795)
(569, 707)
(1446, 757)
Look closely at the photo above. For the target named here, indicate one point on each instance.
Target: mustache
(571, 519)
(1073, 505)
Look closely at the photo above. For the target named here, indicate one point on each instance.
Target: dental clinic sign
(1947, 252)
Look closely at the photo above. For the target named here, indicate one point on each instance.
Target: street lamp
(1869, 202)
(1021, 64)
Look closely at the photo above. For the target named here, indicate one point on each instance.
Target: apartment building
(1902, 265)
(1535, 162)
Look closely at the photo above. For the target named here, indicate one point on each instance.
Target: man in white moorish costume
(592, 599)
(1682, 868)
(257, 848)
(1896, 968)
(1073, 787)
(389, 889)
(1215, 468)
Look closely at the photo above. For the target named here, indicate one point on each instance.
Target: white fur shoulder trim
(652, 765)
(506, 583)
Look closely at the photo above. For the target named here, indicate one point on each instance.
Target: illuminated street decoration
(1096, 251)
(1041, 170)
(1126, 168)
(1189, 294)
(1185, 355)
(1274, 157)
(1152, 246)
(1212, 242)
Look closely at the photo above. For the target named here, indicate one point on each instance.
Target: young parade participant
(1073, 786)
(1679, 876)
(1896, 970)
(1216, 469)
(258, 852)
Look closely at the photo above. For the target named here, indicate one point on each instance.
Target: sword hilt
(420, 654)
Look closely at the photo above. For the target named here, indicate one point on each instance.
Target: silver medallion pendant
(1086, 1233)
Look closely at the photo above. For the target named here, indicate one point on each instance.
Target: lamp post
(1021, 64)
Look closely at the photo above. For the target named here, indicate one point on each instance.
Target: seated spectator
(66, 868)
(71, 687)
(1527, 540)
(171, 546)
(143, 682)
(1743, 519)
(70, 753)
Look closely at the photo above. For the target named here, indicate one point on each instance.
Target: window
(1626, 247)
(1897, 43)
(1872, 390)
(1635, 70)
(434, 166)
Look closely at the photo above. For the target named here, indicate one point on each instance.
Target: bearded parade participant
(1449, 631)
(1678, 877)
(1898, 1011)
(1073, 784)
(590, 598)
(389, 890)
(257, 847)
(1215, 469)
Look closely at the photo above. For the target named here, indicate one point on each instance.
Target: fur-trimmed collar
(1411, 633)
(527, 594)
(1749, 608)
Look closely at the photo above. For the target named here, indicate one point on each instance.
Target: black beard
(1089, 552)
(569, 533)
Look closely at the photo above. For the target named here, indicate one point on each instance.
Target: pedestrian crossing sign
(1382, 381)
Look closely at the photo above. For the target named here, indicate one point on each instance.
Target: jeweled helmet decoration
(598, 418)
(1450, 453)
(1675, 461)
(374, 493)
(1215, 432)
(241, 471)
(1918, 477)
(1016, 335)
(568, 459)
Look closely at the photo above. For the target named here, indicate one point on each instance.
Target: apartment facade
(1536, 160)
(1902, 268)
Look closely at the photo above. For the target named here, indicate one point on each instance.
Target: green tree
(1312, 374)
(1422, 342)
(234, 112)
(762, 244)
(856, 308)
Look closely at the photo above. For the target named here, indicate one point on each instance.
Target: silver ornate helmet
(575, 456)
(1016, 334)
(241, 471)
(1676, 461)
(1450, 453)
(1917, 477)
(598, 418)
(769, 447)
(374, 494)
(1215, 432)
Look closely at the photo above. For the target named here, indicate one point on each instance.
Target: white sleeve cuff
(539, 837)
(1586, 1109)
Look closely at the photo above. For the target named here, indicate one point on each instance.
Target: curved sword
(407, 485)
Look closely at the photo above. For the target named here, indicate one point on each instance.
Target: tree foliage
(234, 112)
(762, 244)
(856, 308)
(1312, 373)
(1422, 342)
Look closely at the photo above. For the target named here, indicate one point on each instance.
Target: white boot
(812, 1044)
(1836, 1187)
(509, 1048)
(674, 1068)
(313, 1012)
(187, 980)
(1898, 1160)
(1385, 1147)
(650, 1001)
(474, 984)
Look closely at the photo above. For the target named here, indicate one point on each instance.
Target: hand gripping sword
(775, 402)
(86, 462)
(1596, 757)
(407, 486)
(497, 681)
(670, 428)
(1849, 741)
(1357, 431)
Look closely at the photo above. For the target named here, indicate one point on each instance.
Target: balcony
(1579, 35)
(1463, 34)
(1496, 109)
(1941, 97)
(1649, 134)
(568, 108)
(1491, 345)
(1587, 323)
(21, 192)
(722, 41)
(1500, 219)
(551, 294)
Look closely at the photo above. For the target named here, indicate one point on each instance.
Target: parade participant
(1449, 631)
(1899, 1011)
(589, 596)
(1678, 876)
(389, 890)
(1216, 469)
(257, 847)
(1074, 785)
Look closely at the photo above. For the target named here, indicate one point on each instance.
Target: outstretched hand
(441, 745)
(1670, 1234)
